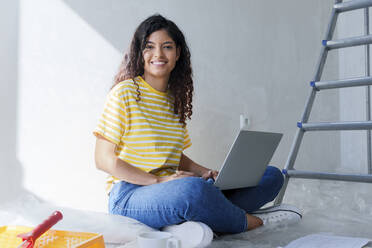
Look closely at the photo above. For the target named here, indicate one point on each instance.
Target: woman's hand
(177, 175)
(210, 174)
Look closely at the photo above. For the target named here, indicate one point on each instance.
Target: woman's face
(160, 55)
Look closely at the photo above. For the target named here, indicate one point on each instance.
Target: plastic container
(51, 239)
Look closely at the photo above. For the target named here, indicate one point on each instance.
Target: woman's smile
(158, 63)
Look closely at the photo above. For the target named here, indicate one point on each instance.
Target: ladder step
(348, 42)
(323, 126)
(352, 5)
(329, 176)
(350, 82)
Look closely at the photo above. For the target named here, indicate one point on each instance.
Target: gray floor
(336, 208)
(281, 236)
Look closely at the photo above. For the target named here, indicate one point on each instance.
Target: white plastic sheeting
(29, 211)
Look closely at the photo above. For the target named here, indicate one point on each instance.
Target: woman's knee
(194, 185)
(195, 189)
(275, 177)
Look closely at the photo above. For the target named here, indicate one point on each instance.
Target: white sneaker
(191, 234)
(279, 214)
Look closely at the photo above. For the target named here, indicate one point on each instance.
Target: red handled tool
(30, 237)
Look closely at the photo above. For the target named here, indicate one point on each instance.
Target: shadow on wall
(116, 21)
(11, 175)
(100, 13)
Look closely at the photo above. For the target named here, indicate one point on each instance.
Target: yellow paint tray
(51, 238)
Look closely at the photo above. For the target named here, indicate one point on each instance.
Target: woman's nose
(158, 52)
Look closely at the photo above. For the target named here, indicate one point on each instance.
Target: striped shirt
(147, 133)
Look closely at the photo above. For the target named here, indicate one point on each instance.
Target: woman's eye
(148, 47)
(168, 47)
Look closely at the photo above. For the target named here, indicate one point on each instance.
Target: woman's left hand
(210, 174)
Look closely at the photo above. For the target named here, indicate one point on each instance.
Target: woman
(142, 134)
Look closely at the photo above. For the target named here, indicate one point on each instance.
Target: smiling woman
(147, 41)
(142, 134)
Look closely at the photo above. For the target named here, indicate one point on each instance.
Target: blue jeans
(194, 199)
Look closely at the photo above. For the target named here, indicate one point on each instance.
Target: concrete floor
(336, 208)
(312, 222)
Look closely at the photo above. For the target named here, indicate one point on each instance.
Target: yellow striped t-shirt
(147, 133)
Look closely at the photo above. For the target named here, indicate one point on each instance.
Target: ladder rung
(350, 82)
(322, 126)
(348, 42)
(329, 176)
(352, 5)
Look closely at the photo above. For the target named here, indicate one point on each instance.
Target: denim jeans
(194, 199)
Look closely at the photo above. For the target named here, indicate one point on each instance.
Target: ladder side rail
(290, 163)
(321, 62)
(305, 116)
(324, 52)
(368, 96)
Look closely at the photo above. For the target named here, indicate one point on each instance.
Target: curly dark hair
(180, 81)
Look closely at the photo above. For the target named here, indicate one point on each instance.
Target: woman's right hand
(177, 175)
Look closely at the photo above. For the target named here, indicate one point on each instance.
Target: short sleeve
(111, 124)
(186, 141)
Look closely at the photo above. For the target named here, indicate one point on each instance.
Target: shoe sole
(277, 208)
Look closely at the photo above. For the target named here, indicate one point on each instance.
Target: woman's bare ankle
(253, 222)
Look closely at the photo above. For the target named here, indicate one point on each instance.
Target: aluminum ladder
(317, 85)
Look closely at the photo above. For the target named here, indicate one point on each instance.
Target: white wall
(11, 175)
(251, 57)
(352, 100)
(64, 71)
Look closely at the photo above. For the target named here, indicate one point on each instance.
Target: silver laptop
(247, 159)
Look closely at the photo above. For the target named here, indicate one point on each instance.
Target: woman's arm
(186, 164)
(107, 161)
